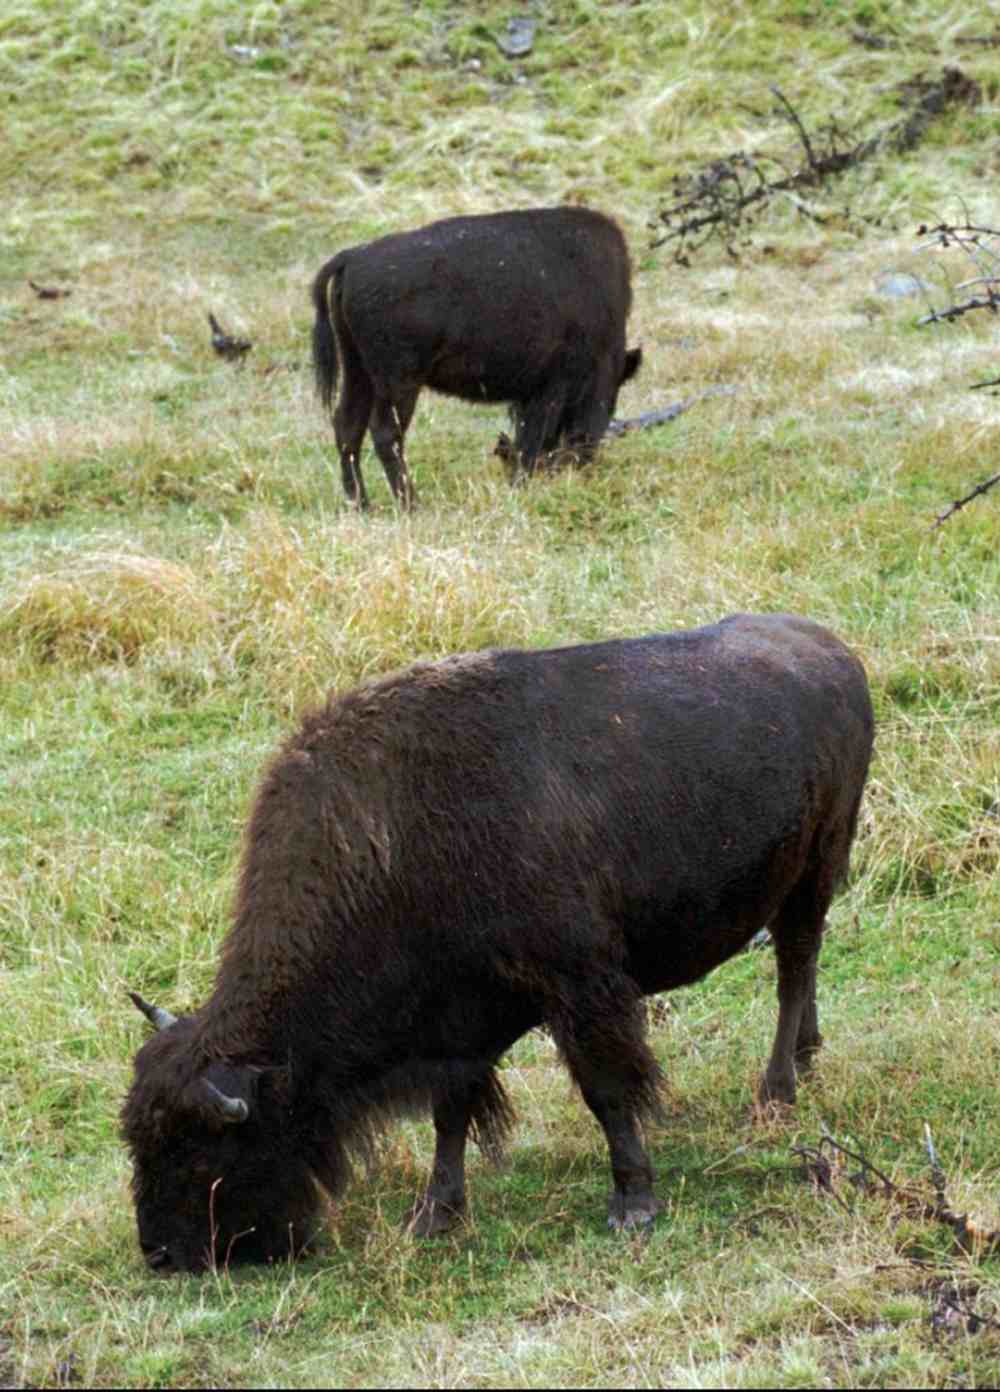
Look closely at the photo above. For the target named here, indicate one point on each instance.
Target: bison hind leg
(602, 1039)
(350, 419)
(462, 1107)
(798, 933)
(390, 420)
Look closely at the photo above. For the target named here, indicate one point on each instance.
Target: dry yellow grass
(104, 606)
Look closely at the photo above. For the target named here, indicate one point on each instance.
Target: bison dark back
(527, 308)
(438, 862)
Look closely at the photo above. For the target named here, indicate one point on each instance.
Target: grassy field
(180, 577)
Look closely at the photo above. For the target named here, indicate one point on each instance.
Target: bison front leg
(586, 423)
(443, 1205)
(631, 1203)
(536, 430)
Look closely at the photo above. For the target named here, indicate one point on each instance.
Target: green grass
(179, 578)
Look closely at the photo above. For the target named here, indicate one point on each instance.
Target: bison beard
(438, 862)
(526, 307)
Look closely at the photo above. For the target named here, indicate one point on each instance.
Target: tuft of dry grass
(104, 606)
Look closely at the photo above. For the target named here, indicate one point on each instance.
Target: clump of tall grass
(360, 599)
(103, 606)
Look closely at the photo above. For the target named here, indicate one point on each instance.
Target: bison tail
(324, 338)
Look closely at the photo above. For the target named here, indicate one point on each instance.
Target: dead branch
(952, 1312)
(960, 503)
(722, 199)
(825, 1171)
(820, 1170)
(793, 116)
(666, 413)
(948, 232)
(988, 301)
(981, 40)
(974, 242)
(977, 243)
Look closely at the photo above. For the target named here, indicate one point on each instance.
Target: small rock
(519, 37)
(898, 285)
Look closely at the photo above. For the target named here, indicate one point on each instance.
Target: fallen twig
(937, 316)
(952, 1312)
(666, 413)
(49, 292)
(824, 1172)
(979, 489)
(974, 242)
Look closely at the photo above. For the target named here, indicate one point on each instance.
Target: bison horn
(155, 1014)
(232, 1110)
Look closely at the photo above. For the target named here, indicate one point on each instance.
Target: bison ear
(633, 358)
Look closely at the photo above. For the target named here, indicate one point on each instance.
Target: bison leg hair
(388, 426)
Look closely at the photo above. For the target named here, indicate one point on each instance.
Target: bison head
(217, 1176)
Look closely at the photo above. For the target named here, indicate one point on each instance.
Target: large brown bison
(440, 861)
(527, 308)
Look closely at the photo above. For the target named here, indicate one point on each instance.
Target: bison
(441, 860)
(527, 308)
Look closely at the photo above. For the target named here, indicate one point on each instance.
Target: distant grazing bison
(525, 307)
(442, 860)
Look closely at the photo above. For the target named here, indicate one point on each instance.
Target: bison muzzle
(526, 308)
(438, 862)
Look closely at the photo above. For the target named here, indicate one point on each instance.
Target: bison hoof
(632, 1216)
(776, 1088)
(430, 1217)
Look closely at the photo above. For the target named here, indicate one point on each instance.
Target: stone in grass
(518, 38)
(899, 285)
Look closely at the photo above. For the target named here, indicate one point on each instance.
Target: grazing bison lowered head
(526, 307)
(437, 862)
(212, 1141)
